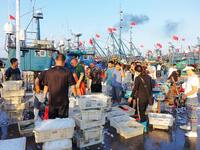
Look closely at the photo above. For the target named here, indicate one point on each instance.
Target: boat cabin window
(40, 53)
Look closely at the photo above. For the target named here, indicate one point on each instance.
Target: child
(3, 123)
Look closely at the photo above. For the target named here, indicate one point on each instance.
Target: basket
(115, 121)
(65, 144)
(26, 127)
(13, 107)
(128, 110)
(54, 129)
(159, 119)
(82, 124)
(92, 114)
(12, 85)
(115, 113)
(17, 93)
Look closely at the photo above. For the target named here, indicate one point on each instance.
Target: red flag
(133, 23)
(11, 17)
(110, 30)
(80, 43)
(91, 42)
(97, 36)
(175, 38)
(159, 45)
(114, 29)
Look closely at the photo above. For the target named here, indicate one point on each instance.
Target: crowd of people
(138, 78)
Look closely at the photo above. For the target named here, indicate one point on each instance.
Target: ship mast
(18, 31)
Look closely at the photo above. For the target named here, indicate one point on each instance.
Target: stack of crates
(28, 80)
(89, 122)
(13, 100)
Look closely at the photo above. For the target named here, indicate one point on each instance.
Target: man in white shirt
(191, 87)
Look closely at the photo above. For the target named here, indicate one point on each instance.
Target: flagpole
(18, 31)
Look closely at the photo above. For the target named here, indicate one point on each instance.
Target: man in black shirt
(57, 82)
(13, 72)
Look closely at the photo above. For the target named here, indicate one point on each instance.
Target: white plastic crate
(83, 124)
(82, 142)
(65, 144)
(26, 127)
(13, 144)
(92, 114)
(54, 129)
(15, 116)
(128, 110)
(130, 129)
(115, 113)
(92, 133)
(12, 85)
(88, 102)
(13, 107)
(115, 121)
(14, 100)
(17, 93)
(160, 119)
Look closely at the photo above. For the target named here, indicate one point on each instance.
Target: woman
(191, 87)
(117, 76)
(142, 92)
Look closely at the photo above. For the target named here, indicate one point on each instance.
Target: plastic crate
(115, 121)
(88, 102)
(128, 110)
(65, 144)
(130, 129)
(92, 114)
(115, 113)
(54, 129)
(13, 144)
(159, 119)
(14, 100)
(17, 93)
(92, 133)
(83, 124)
(13, 107)
(12, 85)
(26, 127)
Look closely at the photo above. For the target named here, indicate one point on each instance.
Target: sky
(165, 18)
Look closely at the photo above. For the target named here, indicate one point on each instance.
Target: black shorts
(58, 112)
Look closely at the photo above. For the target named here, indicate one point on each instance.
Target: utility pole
(18, 31)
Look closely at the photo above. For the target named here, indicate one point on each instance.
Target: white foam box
(130, 129)
(12, 85)
(92, 114)
(83, 140)
(83, 124)
(17, 93)
(13, 144)
(14, 100)
(89, 102)
(65, 144)
(114, 121)
(129, 110)
(54, 129)
(26, 127)
(159, 119)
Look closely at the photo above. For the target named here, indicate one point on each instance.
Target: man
(172, 69)
(13, 72)
(79, 76)
(191, 87)
(108, 77)
(57, 82)
(96, 79)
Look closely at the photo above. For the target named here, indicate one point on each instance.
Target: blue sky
(95, 16)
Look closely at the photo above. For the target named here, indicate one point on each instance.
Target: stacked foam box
(13, 95)
(126, 126)
(56, 134)
(89, 121)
